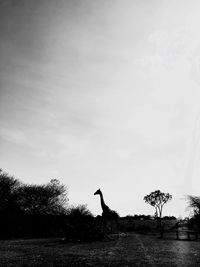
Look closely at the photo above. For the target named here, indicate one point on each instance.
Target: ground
(128, 250)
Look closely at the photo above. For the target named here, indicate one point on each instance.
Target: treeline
(194, 204)
(31, 210)
(146, 217)
(42, 211)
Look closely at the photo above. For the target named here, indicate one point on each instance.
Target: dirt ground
(128, 250)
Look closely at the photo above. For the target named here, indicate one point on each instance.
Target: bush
(81, 225)
(49, 199)
(8, 194)
(31, 210)
(194, 204)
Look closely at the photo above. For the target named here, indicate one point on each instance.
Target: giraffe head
(98, 192)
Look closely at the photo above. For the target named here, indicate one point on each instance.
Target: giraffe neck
(103, 205)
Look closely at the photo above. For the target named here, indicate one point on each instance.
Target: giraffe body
(110, 217)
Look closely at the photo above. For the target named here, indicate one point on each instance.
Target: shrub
(81, 225)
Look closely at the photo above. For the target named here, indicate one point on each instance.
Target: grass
(129, 250)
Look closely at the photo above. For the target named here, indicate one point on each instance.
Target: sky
(102, 94)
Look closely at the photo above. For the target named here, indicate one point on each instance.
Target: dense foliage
(44, 199)
(50, 198)
(31, 210)
(82, 225)
(194, 204)
(8, 194)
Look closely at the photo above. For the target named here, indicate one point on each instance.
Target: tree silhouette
(194, 203)
(8, 194)
(44, 199)
(31, 210)
(158, 199)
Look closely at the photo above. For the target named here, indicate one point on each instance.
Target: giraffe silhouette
(110, 217)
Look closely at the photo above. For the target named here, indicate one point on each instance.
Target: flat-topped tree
(158, 199)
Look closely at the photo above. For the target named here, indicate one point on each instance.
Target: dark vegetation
(144, 217)
(38, 211)
(33, 211)
(44, 230)
(81, 225)
(194, 204)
